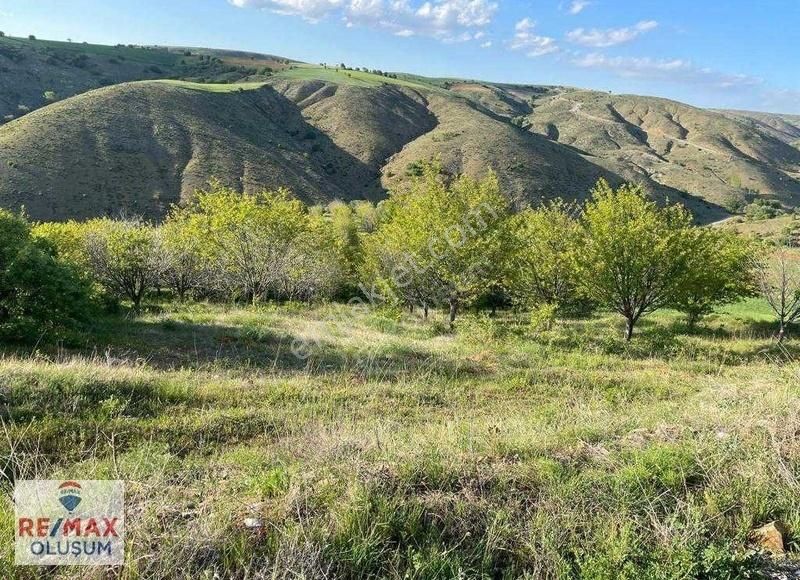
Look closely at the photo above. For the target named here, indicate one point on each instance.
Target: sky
(742, 54)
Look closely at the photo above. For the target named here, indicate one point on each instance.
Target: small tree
(184, 269)
(718, 271)
(541, 266)
(31, 37)
(50, 96)
(124, 257)
(778, 279)
(634, 252)
(440, 241)
(315, 264)
(265, 244)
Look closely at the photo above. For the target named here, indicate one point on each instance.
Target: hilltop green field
(350, 77)
(209, 87)
(401, 450)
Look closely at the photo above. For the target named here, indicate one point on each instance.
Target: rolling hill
(30, 67)
(137, 147)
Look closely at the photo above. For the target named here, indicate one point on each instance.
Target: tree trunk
(782, 332)
(691, 321)
(453, 312)
(425, 311)
(493, 313)
(629, 322)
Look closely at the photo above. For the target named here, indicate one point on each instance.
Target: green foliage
(124, 257)
(262, 245)
(41, 297)
(542, 265)
(718, 270)
(543, 315)
(735, 202)
(440, 242)
(764, 209)
(634, 252)
(185, 268)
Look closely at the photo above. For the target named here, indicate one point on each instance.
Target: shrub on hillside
(718, 270)
(735, 202)
(764, 209)
(638, 258)
(41, 297)
(124, 257)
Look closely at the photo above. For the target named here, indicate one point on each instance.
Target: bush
(440, 241)
(542, 265)
(735, 202)
(764, 209)
(41, 297)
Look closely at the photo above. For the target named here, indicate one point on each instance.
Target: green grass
(350, 77)
(210, 87)
(401, 450)
(159, 56)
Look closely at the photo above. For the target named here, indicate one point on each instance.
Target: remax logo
(69, 522)
(70, 495)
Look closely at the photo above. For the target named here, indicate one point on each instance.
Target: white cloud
(610, 37)
(446, 20)
(577, 6)
(487, 44)
(674, 70)
(781, 101)
(525, 39)
(309, 9)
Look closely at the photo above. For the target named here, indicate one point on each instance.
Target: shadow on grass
(655, 339)
(173, 345)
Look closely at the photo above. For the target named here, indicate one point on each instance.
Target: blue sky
(712, 53)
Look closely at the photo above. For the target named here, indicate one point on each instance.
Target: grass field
(134, 53)
(210, 87)
(352, 77)
(399, 450)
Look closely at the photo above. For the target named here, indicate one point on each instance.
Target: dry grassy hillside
(783, 127)
(139, 147)
(29, 68)
(328, 133)
(678, 146)
(468, 140)
(369, 123)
